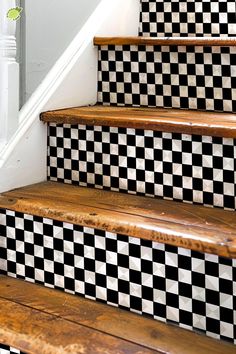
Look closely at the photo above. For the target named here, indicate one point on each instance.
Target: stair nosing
(191, 236)
(159, 119)
(166, 41)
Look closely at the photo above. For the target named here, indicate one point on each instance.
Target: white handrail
(9, 74)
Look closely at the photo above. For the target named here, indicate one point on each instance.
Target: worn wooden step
(169, 41)
(158, 119)
(36, 319)
(174, 223)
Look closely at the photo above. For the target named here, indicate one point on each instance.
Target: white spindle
(9, 73)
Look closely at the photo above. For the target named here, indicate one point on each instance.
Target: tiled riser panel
(6, 349)
(201, 78)
(168, 283)
(197, 169)
(188, 18)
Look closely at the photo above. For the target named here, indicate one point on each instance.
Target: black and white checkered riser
(6, 349)
(201, 78)
(197, 169)
(192, 289)
(188, 18)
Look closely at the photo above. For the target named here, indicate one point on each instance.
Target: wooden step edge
(34, 330)
(159, 119)
(167, 41)
(154, 228)
(118, 323)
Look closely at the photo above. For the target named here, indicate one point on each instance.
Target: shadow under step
(157, 119)
(189, 226)
(36, 319)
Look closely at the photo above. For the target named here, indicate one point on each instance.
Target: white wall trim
(71, 82)
(9, 74)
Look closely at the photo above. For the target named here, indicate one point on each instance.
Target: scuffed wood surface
(150, 334)
(38, 332)
(190, 226)
(179, 41)
(158, 119)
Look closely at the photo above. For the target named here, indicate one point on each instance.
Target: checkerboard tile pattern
(188, 18)
(201, 78)
(195, 290)
(196, 169)
(5, 349)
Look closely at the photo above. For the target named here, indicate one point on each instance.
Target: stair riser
(5, 349)
(192, 289)
(179, 77)
(195, 169)
(187, 18)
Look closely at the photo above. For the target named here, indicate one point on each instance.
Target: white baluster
(9, 74)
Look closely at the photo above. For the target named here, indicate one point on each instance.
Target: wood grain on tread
(157, 119)
(190, 226)
(34, 331)
(179, 41)
(150, 334)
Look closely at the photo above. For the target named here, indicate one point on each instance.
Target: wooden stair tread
(184, 41)
(34, 317)
(190, 226)
(158, 119)
(32, 320)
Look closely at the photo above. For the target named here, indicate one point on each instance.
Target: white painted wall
(71, 82)
(50, 25)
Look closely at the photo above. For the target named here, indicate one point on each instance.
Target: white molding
(9, 74)
(71, 82)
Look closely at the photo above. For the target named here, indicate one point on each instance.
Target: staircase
(139, 208)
